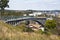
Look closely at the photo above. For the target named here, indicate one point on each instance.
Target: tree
(3, 4)
(50, 27)
(50, 24)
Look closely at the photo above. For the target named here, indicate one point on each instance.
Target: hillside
(8, 32)
(21, 12)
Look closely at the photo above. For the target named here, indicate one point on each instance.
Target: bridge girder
(16, 22)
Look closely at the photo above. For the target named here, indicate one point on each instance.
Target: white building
(51, 14)
(50, 18)
(35, 14)
(58, 15)
(24, 15)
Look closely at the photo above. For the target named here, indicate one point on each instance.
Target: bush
(39, 32)
(27, 29)
(50, 26)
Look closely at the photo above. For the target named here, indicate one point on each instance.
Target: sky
(34, 5)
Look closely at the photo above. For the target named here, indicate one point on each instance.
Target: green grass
(8, 32)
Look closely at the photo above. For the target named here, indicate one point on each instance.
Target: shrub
(50, 26)
(27, 29)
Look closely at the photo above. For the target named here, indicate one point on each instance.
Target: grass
(8, 32)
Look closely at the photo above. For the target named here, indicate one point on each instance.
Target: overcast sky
(34, 4)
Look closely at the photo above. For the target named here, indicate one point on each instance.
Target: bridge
(16, 21)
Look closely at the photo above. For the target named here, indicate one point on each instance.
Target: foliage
(50, 27)
(22, 27)
(3, 4)
(50, 24)
(13, 34)
(39, 32)
(27, 29)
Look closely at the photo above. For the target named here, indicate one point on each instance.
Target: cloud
(34, 4)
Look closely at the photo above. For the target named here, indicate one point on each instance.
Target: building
(58, 15)
(24, 14)
(51, 14)
(35, 14)
(50, 18)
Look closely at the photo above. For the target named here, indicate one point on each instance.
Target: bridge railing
(18, 18)
(13, 17)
